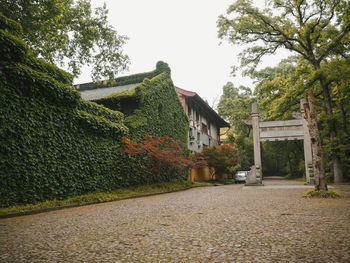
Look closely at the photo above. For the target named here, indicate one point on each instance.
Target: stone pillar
(256, 140)
(307, 146)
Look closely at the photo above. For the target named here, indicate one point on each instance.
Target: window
(197, 116)
(190, 134)
(189, 111)
(204, 128)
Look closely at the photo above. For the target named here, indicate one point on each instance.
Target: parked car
(240, 177)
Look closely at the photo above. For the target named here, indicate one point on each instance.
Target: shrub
(322, 194)
(220, 158)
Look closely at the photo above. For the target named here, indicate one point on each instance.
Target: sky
(182, 33)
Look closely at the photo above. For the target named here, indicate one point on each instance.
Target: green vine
(54, 145)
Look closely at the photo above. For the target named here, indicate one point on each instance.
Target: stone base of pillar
(254, 177)
(311, 181)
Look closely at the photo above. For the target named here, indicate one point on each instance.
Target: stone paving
(210, 224)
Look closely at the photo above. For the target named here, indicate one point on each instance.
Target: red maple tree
(220, 158)
(156, 153)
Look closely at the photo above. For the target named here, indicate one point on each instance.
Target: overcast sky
(182, 33)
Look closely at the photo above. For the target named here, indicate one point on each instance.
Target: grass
(100, 197)
(224, 181)
(321, 194)
(295, 178)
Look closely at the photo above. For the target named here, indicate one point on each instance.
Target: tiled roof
(195, 99)
(185, 92)
(100, 92)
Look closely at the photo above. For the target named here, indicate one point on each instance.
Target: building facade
(205, 123)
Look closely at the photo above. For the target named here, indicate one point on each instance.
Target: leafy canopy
(69, 33)
(314, 29)
(220, 159)
(158, 152)
(235, 106)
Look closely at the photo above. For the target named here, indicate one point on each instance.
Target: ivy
(10, 26)
(131, 79)
(54, 145)
(158, 109)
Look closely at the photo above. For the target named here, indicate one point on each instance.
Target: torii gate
(278, 131)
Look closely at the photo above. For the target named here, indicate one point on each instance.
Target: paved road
(212, 224)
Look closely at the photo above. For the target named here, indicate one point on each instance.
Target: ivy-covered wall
(53, 143)
(152, 107)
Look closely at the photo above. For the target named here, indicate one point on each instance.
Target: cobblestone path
(212, 224)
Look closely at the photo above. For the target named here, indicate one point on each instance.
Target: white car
(241, 176)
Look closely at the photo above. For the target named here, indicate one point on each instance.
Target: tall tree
(234, 106)
(271, 88)
(279, 97)
(317, 156)
(279, 90)
(317, 30)
(70, 34)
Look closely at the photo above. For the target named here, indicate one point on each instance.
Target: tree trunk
(212, 173)
(317, 152)
(337, 169)
(345, 127)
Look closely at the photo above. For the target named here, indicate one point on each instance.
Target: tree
(317, 156)
(220, 159)
(316, 30)
(158, 153)
(279, 90)
(69, 32)
(279, 97)
(272, 86)
(234, 106)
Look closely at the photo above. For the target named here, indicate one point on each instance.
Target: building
(205, 123)
(150, 106)
(148, 101)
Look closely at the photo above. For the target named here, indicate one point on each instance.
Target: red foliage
(161, 151)
(220, 158)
